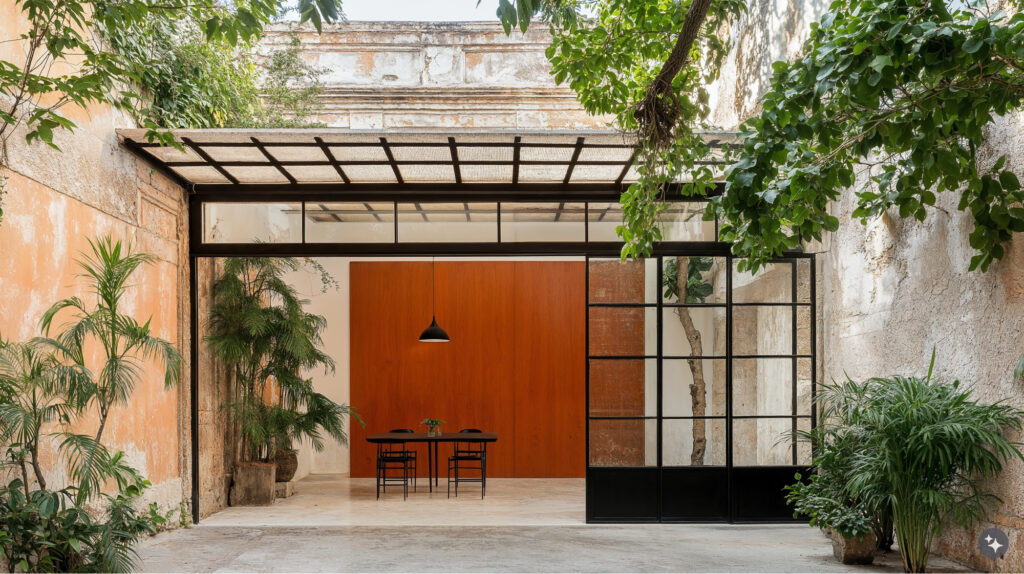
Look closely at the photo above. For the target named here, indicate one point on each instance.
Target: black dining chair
(392, 456)
(410, 453)
(468, 456)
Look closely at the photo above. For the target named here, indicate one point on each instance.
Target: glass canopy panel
(543, 222)
(447, 222)
(257, 174)
(350, 222)
(252, 223)
(225, 153)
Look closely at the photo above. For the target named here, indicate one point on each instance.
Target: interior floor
(337, 500)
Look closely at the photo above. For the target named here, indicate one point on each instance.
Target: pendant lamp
(434, 333)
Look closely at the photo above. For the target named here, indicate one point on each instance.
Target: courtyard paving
(335, 524)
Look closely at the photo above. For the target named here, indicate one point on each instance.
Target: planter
(287, 463)
(252, 484)
(855, 550)
(436, 431)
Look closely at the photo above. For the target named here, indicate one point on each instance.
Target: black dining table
(432, 442)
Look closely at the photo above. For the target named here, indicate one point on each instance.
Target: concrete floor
(335, 524)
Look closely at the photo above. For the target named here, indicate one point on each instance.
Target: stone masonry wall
(56, 201)
(894, 289)
(460, 75)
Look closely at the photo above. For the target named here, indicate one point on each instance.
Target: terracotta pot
(854, 550)
(287, 463)
(252, 484)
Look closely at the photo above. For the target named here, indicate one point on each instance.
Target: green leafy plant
(924, 449)
(431, 423)
(900, 91)
(124, 341)
(259, 328)
(824, 502)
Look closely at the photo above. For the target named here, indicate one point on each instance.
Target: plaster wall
(435, 75)
(55, 202)
(892, 290)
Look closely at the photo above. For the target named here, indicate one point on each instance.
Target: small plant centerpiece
(433, 426)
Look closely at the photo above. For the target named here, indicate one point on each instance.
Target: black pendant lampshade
(434, 333)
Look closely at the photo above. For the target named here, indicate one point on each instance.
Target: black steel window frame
(628, 483)
(199, 246)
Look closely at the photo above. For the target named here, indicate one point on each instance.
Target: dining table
(432, 441)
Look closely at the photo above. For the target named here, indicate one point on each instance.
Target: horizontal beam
(594, 249)
(437, 192)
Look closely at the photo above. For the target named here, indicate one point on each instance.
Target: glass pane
(623, 442)
(681, 438)
(447, 222)
(350, 223)
(803, 280)
(677, 390)
(618, 281)
(773, 283)
(603, 219)
(693, 331)
(684, 221)
(708, 285)
(762, 387)
(803, 330)
(804, 381)
(252, 223)
(762, 330)
(762, 442)
(543, 222)
(623, 331)
(623, 387)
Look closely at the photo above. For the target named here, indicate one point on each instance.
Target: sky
(420, 10)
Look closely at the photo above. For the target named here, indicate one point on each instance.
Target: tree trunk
(35, 464)
(698, 387)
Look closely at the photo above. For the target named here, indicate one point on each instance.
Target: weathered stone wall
(894, 289)
(436, 75)
(56, 201)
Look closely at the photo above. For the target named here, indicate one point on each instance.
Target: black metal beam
(516, 146)
(209, 160)
(575, 158)
(330, 156)
(625, 168)
(455, 160)
(433, 191)
(273, 161)
(391, 159)
(596, 249)
(371, 162)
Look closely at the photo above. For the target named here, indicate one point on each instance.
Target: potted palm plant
(258, 326)
(924, 450)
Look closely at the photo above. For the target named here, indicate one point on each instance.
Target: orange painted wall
(515, 364)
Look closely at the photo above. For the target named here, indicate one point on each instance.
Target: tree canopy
(892, 96)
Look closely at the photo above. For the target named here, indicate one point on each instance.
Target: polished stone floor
(341, 501)
(335, 524)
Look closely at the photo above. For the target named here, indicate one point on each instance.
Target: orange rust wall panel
(473, 381)
(550, 371)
